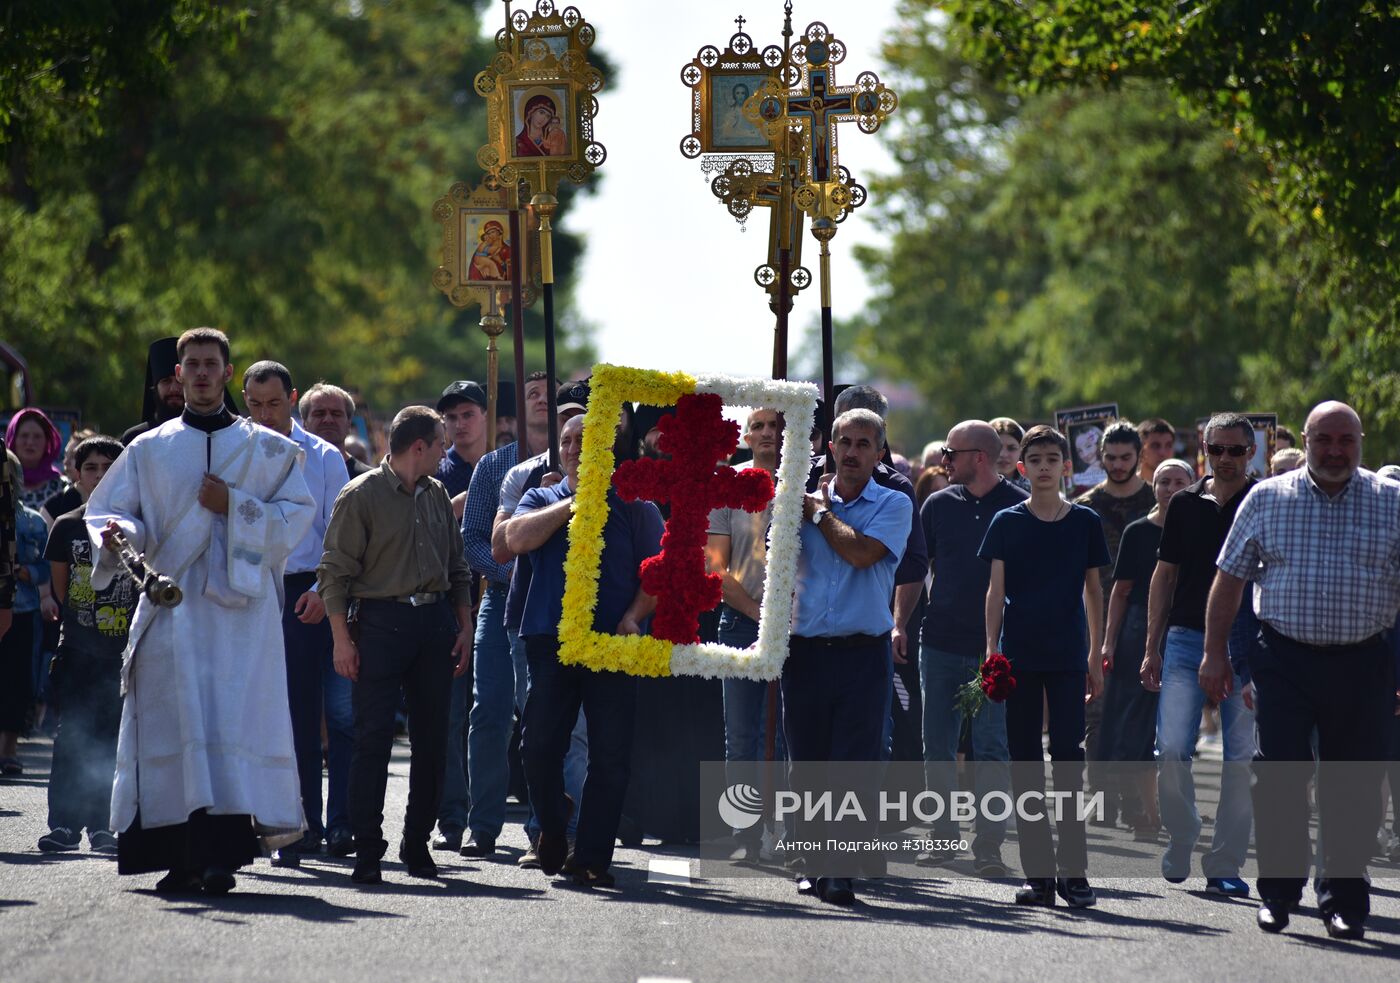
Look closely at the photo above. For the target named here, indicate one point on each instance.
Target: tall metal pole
(823, 229)
(782, 303)
(546, 205)
(494, 325)
(517, 317)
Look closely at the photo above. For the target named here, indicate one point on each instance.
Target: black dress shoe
(584, 877)
(339, 843)
(179, 882)
(1039, 891)
(448, 841)
(1341, 926)
(286, 857)
(217, 880)
(310, 844)
(367, 871)
(553, 851)
(836, 890)
(479, 846)
(416, 858)
(1273, 918)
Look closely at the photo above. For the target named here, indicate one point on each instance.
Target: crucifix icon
(817, 104)
(740, 20)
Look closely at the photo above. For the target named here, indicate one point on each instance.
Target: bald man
(1322, 545)
(954, 632)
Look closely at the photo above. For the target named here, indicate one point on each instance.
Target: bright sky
(667, 279)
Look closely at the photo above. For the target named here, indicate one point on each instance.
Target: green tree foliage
(1309, 86)
(1312, 83)
(1074, 246)
(270, 170)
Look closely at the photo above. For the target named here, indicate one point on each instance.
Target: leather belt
(838, 641)
(417, 600)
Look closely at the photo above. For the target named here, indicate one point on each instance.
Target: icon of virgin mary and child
(491, 260)
(542, 132)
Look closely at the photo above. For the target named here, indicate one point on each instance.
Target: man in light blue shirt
(312, 681)
(836, 681)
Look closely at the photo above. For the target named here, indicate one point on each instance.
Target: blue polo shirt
(631, 535)
(454, 472)
(955, 522)
(833, 597)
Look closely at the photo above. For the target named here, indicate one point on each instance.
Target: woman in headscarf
(39, 446)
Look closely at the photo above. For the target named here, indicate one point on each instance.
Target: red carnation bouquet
(993, 681)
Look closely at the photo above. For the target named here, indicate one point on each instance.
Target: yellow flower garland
(579, 644)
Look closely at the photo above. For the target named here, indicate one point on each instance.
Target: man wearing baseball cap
(463, 408)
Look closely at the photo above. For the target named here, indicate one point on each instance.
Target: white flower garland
(797, 402)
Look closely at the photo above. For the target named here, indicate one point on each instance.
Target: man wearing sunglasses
(1322, 544)
(1198, 519)
(954, 635)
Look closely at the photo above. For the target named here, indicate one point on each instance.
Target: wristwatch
(820, 514)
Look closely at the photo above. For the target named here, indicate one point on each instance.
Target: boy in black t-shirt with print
(87, 671)
(1045, 555)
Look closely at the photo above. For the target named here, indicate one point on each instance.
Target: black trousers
(88, 690)
(402, 649)
(1064, 698)
(308, 648)
(836, 700)
(609, 702)
(1348, 695)
(17, 673)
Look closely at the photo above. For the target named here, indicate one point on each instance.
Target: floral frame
(639, 655)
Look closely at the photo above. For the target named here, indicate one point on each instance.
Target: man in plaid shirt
(1322, 544)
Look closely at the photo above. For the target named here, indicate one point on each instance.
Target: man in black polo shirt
(1197, 522)
(954, 635)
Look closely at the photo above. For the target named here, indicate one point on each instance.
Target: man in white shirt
(312, 681)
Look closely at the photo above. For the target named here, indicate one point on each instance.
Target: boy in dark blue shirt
(1045, 554)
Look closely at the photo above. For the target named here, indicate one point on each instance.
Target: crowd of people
(326, 596)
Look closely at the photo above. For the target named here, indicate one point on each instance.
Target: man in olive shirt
(394, 555)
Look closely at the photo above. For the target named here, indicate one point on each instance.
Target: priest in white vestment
(205, 761)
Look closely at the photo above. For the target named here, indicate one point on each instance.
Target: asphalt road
(69, 917)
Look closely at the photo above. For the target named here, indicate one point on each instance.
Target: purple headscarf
(53, 446)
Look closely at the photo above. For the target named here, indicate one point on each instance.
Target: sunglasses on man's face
(1220, 450)
(952, 452)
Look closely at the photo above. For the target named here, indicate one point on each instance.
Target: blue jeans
(314, 685)
(1178, 720)
(494, 689)
(941, 675)
(746, 716)
(575, 761)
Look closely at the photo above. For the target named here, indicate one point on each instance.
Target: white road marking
(665, 870)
